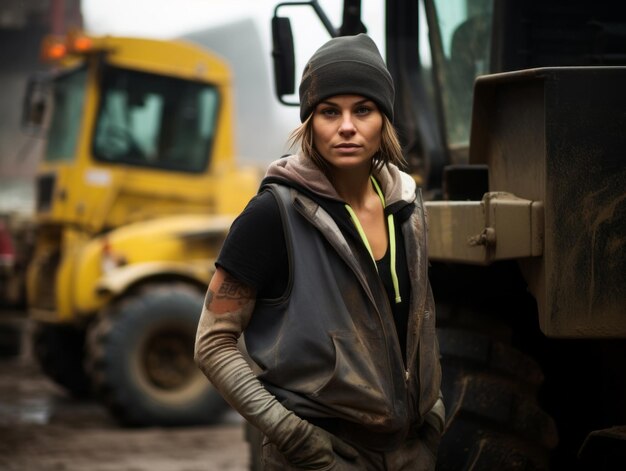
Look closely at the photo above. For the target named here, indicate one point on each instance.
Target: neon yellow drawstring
(392, 240)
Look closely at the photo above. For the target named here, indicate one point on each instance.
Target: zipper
(411, 356)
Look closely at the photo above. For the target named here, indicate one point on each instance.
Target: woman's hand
(319, 450)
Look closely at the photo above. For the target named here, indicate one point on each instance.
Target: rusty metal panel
(517, 224)
(500, 227)
(450, 225)
(558, 135)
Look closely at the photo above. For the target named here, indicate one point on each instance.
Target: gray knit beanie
(347, 65)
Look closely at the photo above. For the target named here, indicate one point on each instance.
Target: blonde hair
(390, 151)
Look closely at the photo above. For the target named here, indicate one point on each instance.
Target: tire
(59, 350)
(490, 391)
(140, 358)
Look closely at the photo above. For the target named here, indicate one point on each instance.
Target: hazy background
(238, 30)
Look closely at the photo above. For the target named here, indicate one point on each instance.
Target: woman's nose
(347, 124)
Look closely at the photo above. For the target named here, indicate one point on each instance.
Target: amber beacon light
(55, 48)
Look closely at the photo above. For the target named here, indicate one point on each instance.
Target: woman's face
(347, 130)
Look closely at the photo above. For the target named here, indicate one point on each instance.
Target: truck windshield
(68, 96)
(465, 30)
(155, 121)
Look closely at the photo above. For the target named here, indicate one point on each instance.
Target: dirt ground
(43, 429)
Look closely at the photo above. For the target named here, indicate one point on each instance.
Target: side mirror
(35, 103)
(284, 59)
(283, 50)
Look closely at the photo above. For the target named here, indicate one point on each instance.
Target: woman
(326, 272)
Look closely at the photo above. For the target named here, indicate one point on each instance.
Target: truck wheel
(59, 350)
(493, 417)
(140, 358)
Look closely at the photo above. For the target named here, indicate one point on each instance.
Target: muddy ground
(44, 429)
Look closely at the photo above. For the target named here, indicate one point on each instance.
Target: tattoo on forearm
(231, 288)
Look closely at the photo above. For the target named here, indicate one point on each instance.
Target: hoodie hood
(397, 186)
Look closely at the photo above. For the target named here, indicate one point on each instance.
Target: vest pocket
(359, 385)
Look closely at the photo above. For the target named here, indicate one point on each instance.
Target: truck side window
(67, 107)
(155, 121)
(465, 27)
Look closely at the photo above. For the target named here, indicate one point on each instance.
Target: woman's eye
(329, 112)
(361, 110)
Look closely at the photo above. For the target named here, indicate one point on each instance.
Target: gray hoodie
(328, 349)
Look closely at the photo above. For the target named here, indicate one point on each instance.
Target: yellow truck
(134, 195)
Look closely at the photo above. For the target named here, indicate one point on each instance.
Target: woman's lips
(347, 149)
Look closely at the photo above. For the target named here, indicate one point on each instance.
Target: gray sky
(167, 18)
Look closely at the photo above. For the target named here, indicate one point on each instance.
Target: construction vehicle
(512, 115)
(134, 195)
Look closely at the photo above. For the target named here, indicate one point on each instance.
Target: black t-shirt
(255, 253)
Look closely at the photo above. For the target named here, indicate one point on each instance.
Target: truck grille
(45, 190)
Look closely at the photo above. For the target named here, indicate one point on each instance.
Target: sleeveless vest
(328, 348)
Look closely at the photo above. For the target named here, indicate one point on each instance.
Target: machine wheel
(140, 358)
(490, 390)
(59, 350)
